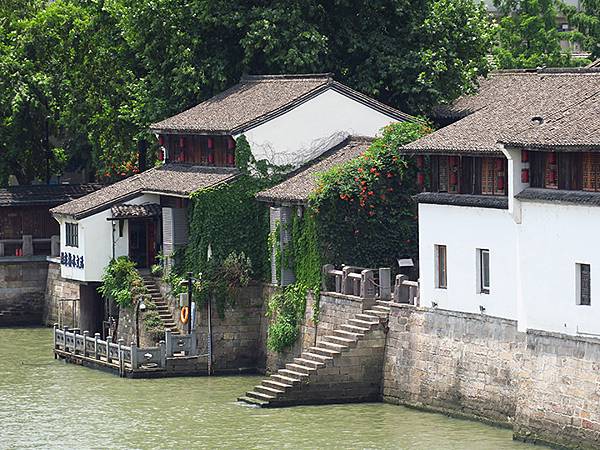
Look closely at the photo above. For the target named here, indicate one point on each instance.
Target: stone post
(85, 337)
(54, 245)
(325, 277)
(385, 283)
(367, 285)
(65, 329)
(108, 342)
(96, 338)
(54, 328)
(169, 342)
(401, 292)
(134, 356)
(120, 353)
(163, 358)
(27, 245)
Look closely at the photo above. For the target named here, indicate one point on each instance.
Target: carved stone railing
(406, 291)
(109, 353)
(176, 343)
(357, 281)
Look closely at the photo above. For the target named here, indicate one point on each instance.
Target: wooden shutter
(591, 171)
(443, 174)
(487, 176)
(536, 169)
(434, 164)
(477, 175)
(466, 175)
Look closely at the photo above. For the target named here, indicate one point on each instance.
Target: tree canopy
(586, 21)
(96, 73)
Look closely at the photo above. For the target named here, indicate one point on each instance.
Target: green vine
(275, 249)
(121, 282)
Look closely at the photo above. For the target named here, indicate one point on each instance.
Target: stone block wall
(558, 401)
(58, 304)
(452, 362)
(22, 286)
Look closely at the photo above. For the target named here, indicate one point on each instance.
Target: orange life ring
(185, 314)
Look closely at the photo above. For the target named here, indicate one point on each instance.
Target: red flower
(370, 192)
(373, 170)
(390, 175)
(371, 213)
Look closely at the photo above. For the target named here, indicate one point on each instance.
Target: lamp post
(141, 306)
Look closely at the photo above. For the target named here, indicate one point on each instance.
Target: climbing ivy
(365, 212)
(274, 249)
(287, 306)
(121, 282)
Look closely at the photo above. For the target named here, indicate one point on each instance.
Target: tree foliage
(98, 72)
(586, 21)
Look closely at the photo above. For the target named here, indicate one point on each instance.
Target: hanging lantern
(500, 183)
(181, 141)
(210, 143)
(453, 179)
(552, 158)
(420, 161)
(525, 176)
(524, 156)
(161, 139)
(230, 143)
(499, 163)
(420, 179)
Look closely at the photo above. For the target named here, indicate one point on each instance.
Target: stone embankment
(344, 366)
(22, 287)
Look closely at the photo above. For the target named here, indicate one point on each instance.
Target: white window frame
(483, 266)
(441, 272)
(578, 267)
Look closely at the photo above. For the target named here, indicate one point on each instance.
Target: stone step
(268, 390)
(384, 303)
(292, 374)
(316, 357)
(376, 312)
(382, 308)
(333, 346)
(276, 384)
(260, 396)
(309, 363)
(367, 317)
(348, 341)
(363, 323)
(285, 379)
(324, 351)
(252, 401)
(299, 368)
(347, 334)
(354, 328)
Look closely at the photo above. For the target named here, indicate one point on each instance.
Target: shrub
(121, 282)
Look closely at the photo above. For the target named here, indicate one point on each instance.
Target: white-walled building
(507, 225)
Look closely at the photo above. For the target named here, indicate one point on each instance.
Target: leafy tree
(586, 21)
(527, 35)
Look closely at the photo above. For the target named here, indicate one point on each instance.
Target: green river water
(48, 404)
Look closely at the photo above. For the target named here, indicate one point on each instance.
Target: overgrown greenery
(586, 22)
(99, 72)
(121, 282)
(153, 324)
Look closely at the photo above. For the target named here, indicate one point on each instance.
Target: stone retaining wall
(544, 385)
(22, 286)
(58, 292)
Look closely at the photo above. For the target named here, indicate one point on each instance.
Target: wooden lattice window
(493, 176)
(591, 171)
(584, 285)
(448, 174)
(551, 171)
(71, 234)
(443, 174)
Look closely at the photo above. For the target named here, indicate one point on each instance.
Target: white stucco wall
(95, 242)
(304, 132)
(553, 238)
(463, 230)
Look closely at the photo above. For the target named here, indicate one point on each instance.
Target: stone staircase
(343, 367)
(161, 304)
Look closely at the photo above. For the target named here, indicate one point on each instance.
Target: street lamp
(141, 306)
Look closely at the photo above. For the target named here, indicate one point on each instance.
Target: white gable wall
(463, 230)
(96, 235)
(301, 133)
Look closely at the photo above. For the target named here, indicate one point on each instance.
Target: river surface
(48, 404)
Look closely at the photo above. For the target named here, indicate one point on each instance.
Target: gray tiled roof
(573, 129)
(505, 105)
(560, 196)
(297, 188)
(257, 99)
(128, 211)
(481, 201)
(170, 179)
(44, 194)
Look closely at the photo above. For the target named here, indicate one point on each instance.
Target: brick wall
(22, 286)
(57, 290)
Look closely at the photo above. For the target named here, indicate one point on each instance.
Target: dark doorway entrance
(142, 242)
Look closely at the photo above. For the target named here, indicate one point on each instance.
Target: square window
(441, 267)
(71, 234)
(584, 284)
(483, 271)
